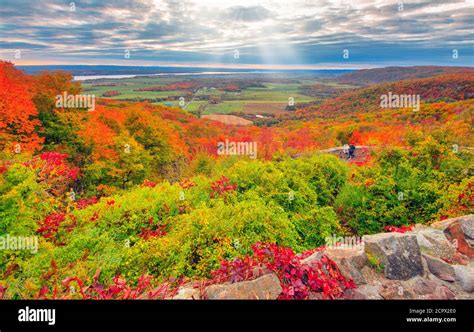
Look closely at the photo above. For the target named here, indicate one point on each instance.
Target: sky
(263, 34)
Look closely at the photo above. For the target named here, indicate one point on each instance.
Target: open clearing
(264, 108)
(228, 119)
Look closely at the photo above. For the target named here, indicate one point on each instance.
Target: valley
(239, 94)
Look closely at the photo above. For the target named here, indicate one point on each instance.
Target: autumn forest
(134, 198)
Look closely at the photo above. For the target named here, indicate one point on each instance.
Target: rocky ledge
(428, 262)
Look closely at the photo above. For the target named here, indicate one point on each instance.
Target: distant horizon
(209, 66)
(82, 72)
(231, 67)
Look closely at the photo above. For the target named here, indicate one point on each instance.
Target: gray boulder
(465, 276)
(440, 268)
(398, 254)
(467, 225)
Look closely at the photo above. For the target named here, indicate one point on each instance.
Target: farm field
(218, 94)
(228, 119)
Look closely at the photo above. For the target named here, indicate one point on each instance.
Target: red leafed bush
(152, 231)
(150, 184)
(53, 170)
(3, 289)
(297, 280)
(147, 233)
(186, 184)
(239, 269)
(95, 216)
(56, 163)
(118, 290)
(85, 202)
(53, 157)
(396, 229)
(221, 187)
(49, 227)
(4, 166)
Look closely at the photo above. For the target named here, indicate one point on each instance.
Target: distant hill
(92, 70)
(446, 88)
(391, 74)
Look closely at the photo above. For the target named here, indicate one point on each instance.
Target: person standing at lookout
(352, 149)
(345, 150)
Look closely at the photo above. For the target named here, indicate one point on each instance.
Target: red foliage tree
(18, 122)
(54, 171)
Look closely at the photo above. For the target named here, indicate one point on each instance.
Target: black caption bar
(411, 315)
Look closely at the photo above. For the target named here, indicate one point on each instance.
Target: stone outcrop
(266, 287)
(187, 293)
(350, 262)
(399, 254)
(465, 276)
(460, 231)
(440, 268)
(434, 242)
(429, 262)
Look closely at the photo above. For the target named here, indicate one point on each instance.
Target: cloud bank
(300, 32)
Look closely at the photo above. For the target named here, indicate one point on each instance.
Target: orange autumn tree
(18, 114)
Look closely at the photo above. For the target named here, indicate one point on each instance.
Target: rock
(395, 290)
(266, 287)
(316, 256)
(429, 289)
(460, 231)
(354, 294)
(187, 293)
(444, 224)
(459, 259)
(455, 232)
(465, 276)
(415, 288)
(434, 242)
(315, 296)
(398, 253)
(442, 293)
(369, 292)
(422, 286)
(350, 262)
(467, 225)
(439, 268)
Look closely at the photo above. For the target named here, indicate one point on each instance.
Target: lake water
(97, 77)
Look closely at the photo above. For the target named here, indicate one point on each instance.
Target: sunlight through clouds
(264, 32)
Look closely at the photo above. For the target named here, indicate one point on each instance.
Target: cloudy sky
(243, 33)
